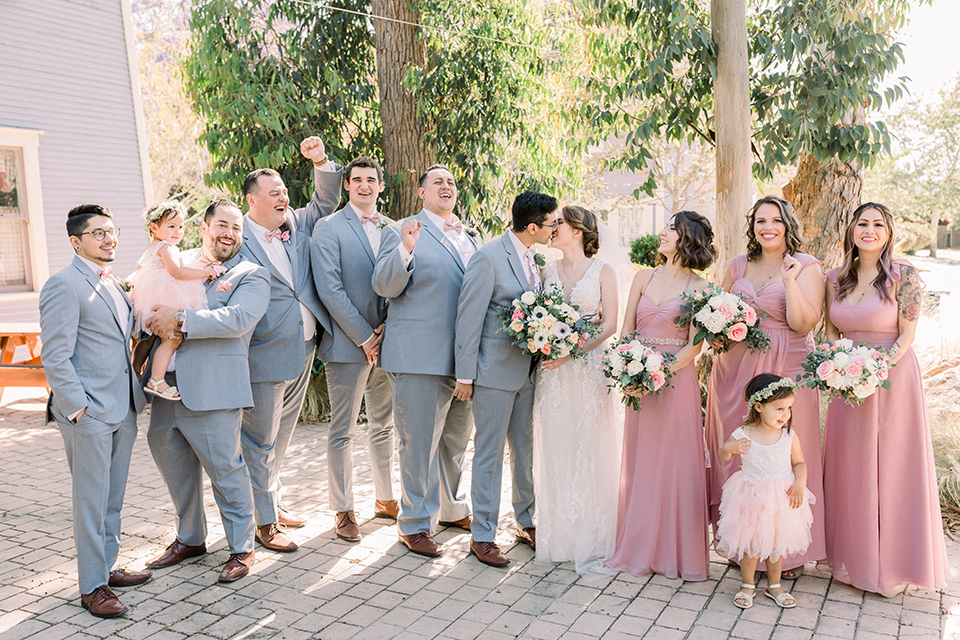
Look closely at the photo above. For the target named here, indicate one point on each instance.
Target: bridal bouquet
(723, 317)
(633, 365)
(844, 370)
(543, 325)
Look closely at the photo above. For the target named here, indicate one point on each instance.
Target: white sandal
(170, 393)
(745, 596)
(780, 598)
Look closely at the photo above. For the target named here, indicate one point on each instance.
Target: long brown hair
(847, 275)
(793, 235)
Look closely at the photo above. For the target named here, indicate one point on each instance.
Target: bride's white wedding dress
(577, 428)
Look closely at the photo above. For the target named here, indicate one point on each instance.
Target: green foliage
(644, 250)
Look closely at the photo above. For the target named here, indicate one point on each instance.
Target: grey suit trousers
(349, 383)
(434, 430)
(184, 442)
(267, 431)
(502, 417)
(99, 458)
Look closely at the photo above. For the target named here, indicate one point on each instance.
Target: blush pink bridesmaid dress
(883, 526)
(727, 410)
(662, 512)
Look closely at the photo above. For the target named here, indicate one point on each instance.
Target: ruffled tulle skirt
(156, 286)
(756, 518)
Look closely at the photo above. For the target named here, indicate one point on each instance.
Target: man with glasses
(85, 324)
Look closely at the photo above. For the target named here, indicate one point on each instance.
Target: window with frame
(15, 271)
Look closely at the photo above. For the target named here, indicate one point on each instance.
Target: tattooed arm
(909, 294)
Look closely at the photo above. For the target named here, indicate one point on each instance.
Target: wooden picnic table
(23, 373)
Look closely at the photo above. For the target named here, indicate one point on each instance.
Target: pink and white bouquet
(632, 365)
(545, 326)
(844, 370)
(722, 317)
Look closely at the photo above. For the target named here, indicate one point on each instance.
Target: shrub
(643, 250)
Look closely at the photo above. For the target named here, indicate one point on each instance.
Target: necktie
(532, 268)
(373, 217)
(453, 225)
(283, 235)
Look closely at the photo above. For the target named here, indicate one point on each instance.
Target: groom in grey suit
(496, 373)
(201, 431)
(420, 268)
(85, 323)
(343, 254)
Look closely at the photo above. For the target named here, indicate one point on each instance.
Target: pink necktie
(453, 225)
(283, 235)
(106, 273)
(534, 271)
(373, 217)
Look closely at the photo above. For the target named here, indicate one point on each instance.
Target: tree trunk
(728, 25)
(824, 197)
(405, 153)
(934, 229)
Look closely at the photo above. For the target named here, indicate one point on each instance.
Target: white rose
(844, 343)
(616, 363)
(634, 367)
(528, 297)
(715, 323)
(841, 360)
(715, 301)
(863, 390)
(837, 381)
(654, 362)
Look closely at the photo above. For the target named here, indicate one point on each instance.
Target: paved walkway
(330, 589)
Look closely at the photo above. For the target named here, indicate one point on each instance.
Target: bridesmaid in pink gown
(883, 524)
(786, 285)
(662, 512)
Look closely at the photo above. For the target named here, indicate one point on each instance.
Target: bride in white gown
(577, 425)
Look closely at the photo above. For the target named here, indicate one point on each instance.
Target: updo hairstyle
(584, 221)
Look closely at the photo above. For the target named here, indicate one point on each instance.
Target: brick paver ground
(330, 589)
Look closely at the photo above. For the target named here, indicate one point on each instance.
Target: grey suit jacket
(421, 319)
(212, 369)
(486, 355)
(276, 349)
(86, 352)
(343, 262)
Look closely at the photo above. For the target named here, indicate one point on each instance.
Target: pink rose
(750, 317)
(737, 332)
(826, 369)
(223, 285)
(545, 349)
(517, 314)
(859, 361)
(853, 370)
(624, 348)
(725, 310)
(657, 378)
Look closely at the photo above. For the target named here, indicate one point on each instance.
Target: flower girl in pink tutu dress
(162, 279)
(765, 507)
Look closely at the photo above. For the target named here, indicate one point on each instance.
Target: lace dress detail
(576, 460)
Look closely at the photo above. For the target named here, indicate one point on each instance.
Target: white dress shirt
(522, 251)
(123, 311)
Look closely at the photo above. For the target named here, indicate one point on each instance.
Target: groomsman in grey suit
(420, 268)
(494, 371)
(201, 431)
(85, 324)
(283, 344)
(343, 255)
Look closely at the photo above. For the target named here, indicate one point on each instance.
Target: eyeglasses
(100, 234)
(556, 223)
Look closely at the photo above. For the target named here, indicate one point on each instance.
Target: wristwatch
(180, 317)
(320, 163)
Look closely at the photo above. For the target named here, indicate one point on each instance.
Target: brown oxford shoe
(422, 544)
(462, 523)
(237, 566)
(175, 553)
(270, 536)
(346, 526)
(124, 578)
(386, 509)
(528, 536)
(488, 553)
(288, 520)
(102, 603)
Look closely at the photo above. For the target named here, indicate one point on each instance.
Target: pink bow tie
(283, 235)
(452, 225)
(373, 217)
(106, 273)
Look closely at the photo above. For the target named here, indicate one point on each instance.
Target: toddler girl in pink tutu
(765, 507)
(162, 279)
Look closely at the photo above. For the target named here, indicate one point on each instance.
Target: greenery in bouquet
(545, 326)
(723, 319)
(842, 369)
(634, 366)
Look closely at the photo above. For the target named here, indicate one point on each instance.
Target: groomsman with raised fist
(343, 253)
(419, 269)
(496, 373)
(282, 347)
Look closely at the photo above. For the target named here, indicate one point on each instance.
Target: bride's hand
(550, 365)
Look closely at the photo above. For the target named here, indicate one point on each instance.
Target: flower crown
(157, 210)
(768, 390)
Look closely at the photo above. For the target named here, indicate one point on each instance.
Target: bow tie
(453, 225)
(283, 235)
(106, 273)
(373, 217)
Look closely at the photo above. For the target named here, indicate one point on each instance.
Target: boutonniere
(539, 259)
(471, 231)
(124, 285)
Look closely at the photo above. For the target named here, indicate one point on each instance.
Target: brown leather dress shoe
(124, 578)
(102, 603)
(386, 509)
(462, 523)
(288, 520)
(270, 536)
(528, 537)
(347, 527)
(488, 553)
(237, 566)
(176, 552)
(422, 544)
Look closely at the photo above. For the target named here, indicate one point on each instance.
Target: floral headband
(768, 390)
(157, 210)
